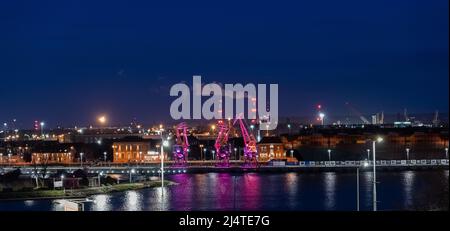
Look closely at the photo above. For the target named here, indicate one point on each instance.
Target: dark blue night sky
(65, 62)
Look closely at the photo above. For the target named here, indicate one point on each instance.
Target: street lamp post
(357, 188)
(368, 154)
(132, 171)
(201, 151)
(162, 167)
(99, 179)
(329, 154)
(292, 153)
(235, 153)
(322, 118)
(163, 143)
(105, 156)
(289, 127)
(446, 153)
(62, 182)
(42, 129)
(379, 139)
(407, 153)
(81, 159)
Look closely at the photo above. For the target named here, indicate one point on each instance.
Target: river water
(405, 190)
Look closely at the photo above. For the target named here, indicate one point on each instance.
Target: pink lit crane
(223, 148)
(250, 151)
(181, 148)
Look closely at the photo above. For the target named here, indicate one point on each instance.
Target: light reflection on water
(408, 187)
(132, 201)
(292, 184)
(330, 190)
(284, 191)
(102, 203)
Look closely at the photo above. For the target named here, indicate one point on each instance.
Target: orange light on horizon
(102, 119)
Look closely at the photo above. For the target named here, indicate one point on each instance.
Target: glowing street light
(407, 153)
(329, 154)
(42, 128)
(81, 159)
(62, 183)
(201, 151)
(322, 117)
(132, 171)
(102, 120)
(165, 143)
(379, 140)
(368, 154)
(446, 153)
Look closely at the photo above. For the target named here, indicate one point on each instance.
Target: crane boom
(357, 113)
(250, 150)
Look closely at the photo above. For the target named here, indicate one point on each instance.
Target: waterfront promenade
(237, 166)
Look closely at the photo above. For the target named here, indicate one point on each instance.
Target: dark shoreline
(77, 193)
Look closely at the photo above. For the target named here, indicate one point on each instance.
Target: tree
(40, 174)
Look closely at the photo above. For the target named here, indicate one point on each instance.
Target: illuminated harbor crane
(250, 151)
(181, 148)
(223, 148)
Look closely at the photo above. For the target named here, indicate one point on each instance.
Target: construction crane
(181, 148)
(357, 113)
